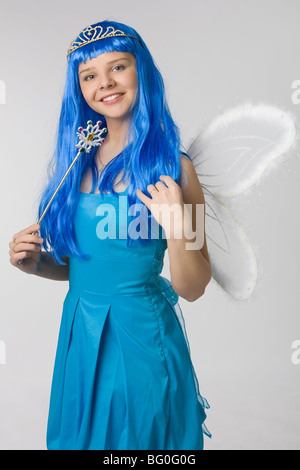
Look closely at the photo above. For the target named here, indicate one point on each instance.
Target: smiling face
(109, 83)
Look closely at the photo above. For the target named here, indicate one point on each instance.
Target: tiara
(95, 33)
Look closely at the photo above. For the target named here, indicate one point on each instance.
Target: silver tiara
(95, 33)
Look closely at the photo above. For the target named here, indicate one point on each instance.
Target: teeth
(112, 97)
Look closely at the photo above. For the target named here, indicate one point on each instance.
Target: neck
(117, 132)
(115, 141)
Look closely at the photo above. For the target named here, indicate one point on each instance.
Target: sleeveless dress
(123, 377)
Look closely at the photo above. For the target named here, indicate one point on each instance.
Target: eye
(89, 77)
(118, 67)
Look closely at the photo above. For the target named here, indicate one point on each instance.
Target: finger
(160, 186)
(26, 239)
(34, 238)
(19, 256)
(28, 230)
(32, 228)
(151, 189)
(168, 180)
(141, 195)
(26, 247)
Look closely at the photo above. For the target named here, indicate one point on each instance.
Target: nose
(106, 82)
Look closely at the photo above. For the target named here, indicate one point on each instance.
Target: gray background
(214, 55)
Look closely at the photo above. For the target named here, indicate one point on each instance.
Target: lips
(111, 97)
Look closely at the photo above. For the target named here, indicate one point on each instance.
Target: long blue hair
(154, 147)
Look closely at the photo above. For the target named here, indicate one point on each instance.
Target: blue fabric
(123, 376)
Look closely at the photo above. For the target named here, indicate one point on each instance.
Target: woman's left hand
(166, 198)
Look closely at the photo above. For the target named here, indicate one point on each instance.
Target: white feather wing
(229, 157)
(236, 148)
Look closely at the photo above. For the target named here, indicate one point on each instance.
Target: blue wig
(153, 148)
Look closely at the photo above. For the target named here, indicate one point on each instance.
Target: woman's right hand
(26, 246)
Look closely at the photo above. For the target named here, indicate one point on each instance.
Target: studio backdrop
(231, 69)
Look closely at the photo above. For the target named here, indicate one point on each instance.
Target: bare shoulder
(189, 182)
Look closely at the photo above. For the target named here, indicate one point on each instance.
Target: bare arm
(189, 266)
(190, 269)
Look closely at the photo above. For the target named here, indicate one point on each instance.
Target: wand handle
(58, 187)
(56, 191)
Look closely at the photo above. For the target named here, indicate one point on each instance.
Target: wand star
(90, 137)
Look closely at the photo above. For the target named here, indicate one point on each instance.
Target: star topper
(90, 137)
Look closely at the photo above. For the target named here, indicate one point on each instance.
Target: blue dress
(123, 377)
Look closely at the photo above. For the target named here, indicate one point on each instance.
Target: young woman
(123, 376)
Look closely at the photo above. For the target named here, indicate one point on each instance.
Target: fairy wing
(229, 156)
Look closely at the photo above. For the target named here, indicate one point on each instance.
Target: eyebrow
(110, 62)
